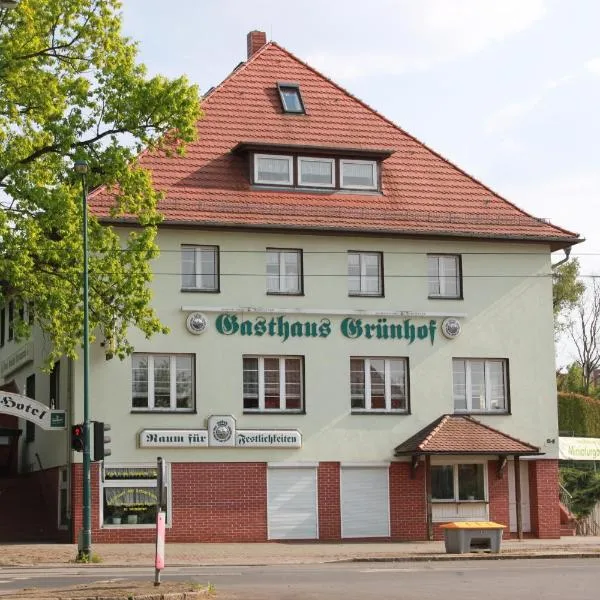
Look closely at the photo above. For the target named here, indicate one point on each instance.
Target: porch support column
(518, 498)
(428, 496)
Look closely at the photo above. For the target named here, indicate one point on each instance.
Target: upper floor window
(444, 276)
(358, 174)
(200, 268)
(273, 383)
(163, 382)
(284, 271)
(291, 99)
(480, 385)
(316, 172)
(273, 169)
(365, 274)
(378, 384)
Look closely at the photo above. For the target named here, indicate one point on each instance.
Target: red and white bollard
(159, 561)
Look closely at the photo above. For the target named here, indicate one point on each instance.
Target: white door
(512, 503)
(292, 503)
(365, 502)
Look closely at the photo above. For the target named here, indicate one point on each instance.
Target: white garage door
(292, 503)
(365, 502)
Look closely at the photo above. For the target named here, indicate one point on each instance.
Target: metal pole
(86, 539)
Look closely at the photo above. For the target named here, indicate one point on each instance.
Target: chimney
(256, 40)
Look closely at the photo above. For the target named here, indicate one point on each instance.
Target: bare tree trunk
(584, 330)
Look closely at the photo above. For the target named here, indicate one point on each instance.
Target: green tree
(567, 290)
(70, 89)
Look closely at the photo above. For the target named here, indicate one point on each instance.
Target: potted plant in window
(116, 516)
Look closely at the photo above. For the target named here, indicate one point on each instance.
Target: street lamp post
(85, 540)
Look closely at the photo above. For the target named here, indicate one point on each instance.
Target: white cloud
(593, 65)
(428, 32)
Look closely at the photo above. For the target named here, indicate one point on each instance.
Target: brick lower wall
(498, 496)
(227, 502)
(544, 498)
(29, 508)
(211, 502)
(408, 504)
(328, 479)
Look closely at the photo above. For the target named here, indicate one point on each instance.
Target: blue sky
(507, 90)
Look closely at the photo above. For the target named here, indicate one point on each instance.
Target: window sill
(285, 293)
(433, 501)
(482, 412)
(199, 291)
(163, 411)
(360, 411)
(357, 295)
(445, 297)
(273, 412)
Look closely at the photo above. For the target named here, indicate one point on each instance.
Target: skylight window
(291, 99)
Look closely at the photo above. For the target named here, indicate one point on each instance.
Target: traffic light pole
(85, 544)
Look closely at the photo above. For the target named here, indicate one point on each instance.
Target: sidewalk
(286, 553)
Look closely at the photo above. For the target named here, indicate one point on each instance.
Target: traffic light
(101, 440)
(77, 438)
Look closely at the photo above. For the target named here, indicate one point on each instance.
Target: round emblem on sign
(196, 323)
(451, 327)
(222, 431)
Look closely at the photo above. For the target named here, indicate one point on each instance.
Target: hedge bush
(579, 415)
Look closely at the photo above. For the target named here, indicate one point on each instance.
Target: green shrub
(579, 415)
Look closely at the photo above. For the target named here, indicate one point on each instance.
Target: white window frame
(302, 159)
(172, 383)
(282, 276)
(363, 274)
(282, 382)
(198, 250)
(134, 483)
(290, 160)
(487, 383)
(442, 277)
(455, 463)
(388, 385)
(372, 163)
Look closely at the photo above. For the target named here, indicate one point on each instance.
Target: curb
(467, 556)
(167, 596)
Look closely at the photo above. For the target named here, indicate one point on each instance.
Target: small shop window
(129, 496)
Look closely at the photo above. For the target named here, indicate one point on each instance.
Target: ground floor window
(459, 491)
(458, 482)
(129, 495)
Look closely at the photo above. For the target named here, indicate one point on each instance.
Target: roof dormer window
(272, 169)
(291, 99)
(358, 174)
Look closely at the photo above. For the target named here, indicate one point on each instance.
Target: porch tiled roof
(422, 193)
(461, 434)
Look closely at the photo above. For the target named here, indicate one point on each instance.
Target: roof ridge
(412, 137)
(239, 69)
(490, 428)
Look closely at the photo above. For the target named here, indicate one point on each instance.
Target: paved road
(562, 579)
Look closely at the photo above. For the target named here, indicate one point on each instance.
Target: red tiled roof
(461, 434)
(422, 193)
